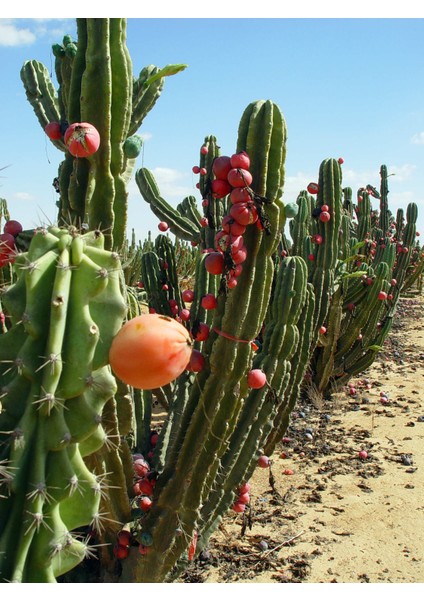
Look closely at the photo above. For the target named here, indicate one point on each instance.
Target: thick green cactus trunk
(63, 311)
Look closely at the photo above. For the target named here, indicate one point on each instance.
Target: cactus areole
(150, 351)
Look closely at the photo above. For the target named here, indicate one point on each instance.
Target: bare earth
(339, 518)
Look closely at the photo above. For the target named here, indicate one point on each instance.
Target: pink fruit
(209, 302)
(230, 225)
(382, 295)
(363, 454)
(214, 263)
(238, 507)
(143, 549)
(202, 332)
(313, 188)
(221, 167)
(185, 314)
(124, 537)
(317, 239)
(239, 178)
(196, 362)
(324, 208)
(204, 150)
(224, 241)
(340, 161)
(256, 379)
(196, 170)
(53, 130)
(239, 256)
(322, 329)
(288, 472)
(220, 188)
(12, 227)
(244, 498)
(187, 295)
(82, 139)
(325, 216)
(264, 461)
(244, 213)
(141, 467)
(163, 226)
(121, 552)
(145, 503)
(245, 487)
(240, 194)
(240, 160)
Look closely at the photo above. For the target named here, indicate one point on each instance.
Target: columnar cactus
(213, 412)
(96, 89)
(62, 312)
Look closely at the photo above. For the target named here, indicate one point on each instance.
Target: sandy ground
(339, 518)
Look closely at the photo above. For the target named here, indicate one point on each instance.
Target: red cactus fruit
(82, 139)
(324, 216)
(53, 130)
(313, 188)
(214, 263)
(239, 178)
(220, 188)
(163, 226)
(221, 167)
(197, 362)
(256, 379)
(209, 302)
(240, 160)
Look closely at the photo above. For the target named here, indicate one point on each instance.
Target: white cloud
(23, 196)
(11, 35)
(172, 183)
(418, 138)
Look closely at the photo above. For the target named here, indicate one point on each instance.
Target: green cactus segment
(42, 96)
(179, 225)
(56, 386)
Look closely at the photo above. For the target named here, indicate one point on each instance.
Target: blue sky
(348, 87)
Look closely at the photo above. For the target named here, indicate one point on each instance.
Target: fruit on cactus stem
(82, 139)
(150, 351)
(163, 226)
(214, 263)
(239, 178)
(12, 227)
(264, 461)
(209, 302)
(324, 216)
(256, 379)
(240, 160)
(221, 167)
(220, 188)
(313, 188)
(53, 130)
(196, 362)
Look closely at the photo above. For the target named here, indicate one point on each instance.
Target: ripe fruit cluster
(243, 498)
(233, 178)
(8, 250)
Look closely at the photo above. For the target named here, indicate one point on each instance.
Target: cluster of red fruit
(232, 176)
(243, 498)
(11, 230)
